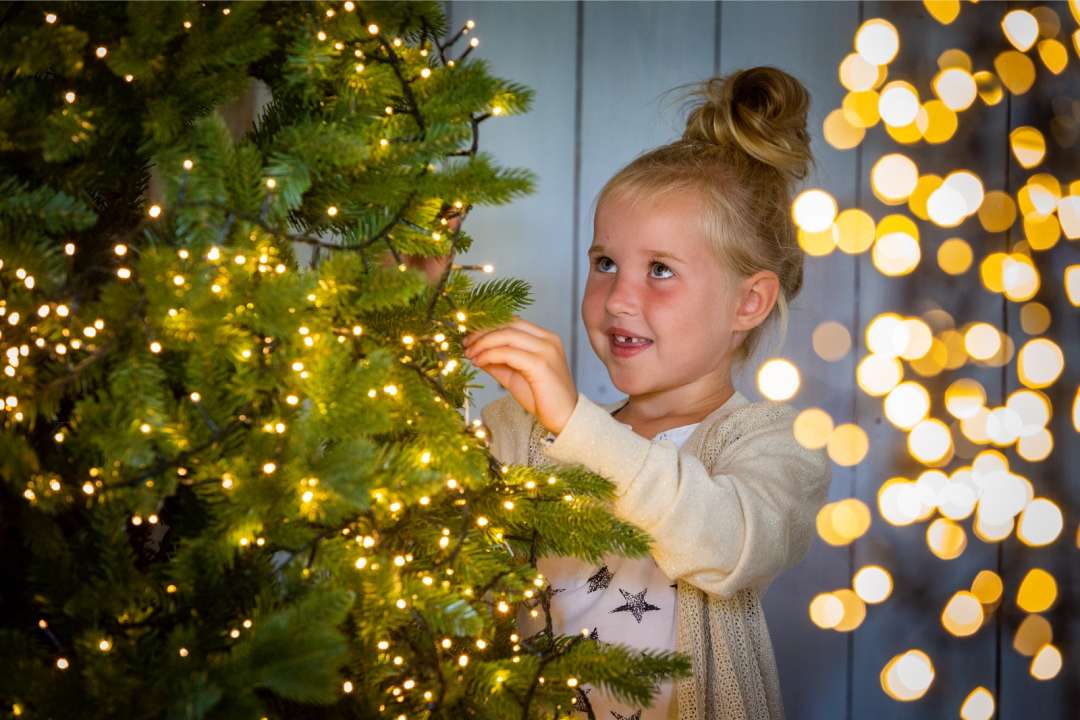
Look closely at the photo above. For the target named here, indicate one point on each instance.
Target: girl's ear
(757, 295)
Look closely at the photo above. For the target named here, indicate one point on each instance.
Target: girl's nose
(622, 298)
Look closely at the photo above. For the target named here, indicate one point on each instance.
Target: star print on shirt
(620, 716)
(635, 604)
(600, 579)
(581, 700)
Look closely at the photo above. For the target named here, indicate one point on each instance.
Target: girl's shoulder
(758, 429)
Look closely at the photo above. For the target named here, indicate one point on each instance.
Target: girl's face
(682, 301)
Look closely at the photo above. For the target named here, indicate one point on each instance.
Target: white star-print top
(625, 600)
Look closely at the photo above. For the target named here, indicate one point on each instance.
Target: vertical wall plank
(923, 583)
(809, 40)
(534, 43)
(633, 53)
(1056, 477)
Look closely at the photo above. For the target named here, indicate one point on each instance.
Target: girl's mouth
(621, 348)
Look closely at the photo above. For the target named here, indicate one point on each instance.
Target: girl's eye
(601, 258)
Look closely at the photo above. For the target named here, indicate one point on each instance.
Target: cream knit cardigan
(728, 513)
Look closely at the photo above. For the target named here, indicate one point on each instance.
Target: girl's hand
(530, 363)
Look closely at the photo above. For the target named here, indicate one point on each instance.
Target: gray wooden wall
(600, 70)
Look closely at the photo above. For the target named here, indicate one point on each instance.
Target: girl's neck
(647, 412)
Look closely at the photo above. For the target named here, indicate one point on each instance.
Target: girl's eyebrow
(655, 253)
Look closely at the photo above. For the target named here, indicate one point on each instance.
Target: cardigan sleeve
(721, 533)
(507, 425)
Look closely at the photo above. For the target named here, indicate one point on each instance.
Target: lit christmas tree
(234, 483)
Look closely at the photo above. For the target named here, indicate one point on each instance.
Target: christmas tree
(234, 480)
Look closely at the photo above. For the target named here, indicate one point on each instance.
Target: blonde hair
(744, 148)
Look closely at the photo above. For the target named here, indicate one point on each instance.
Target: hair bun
(761, 110)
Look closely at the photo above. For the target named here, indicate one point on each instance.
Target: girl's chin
(626, 380)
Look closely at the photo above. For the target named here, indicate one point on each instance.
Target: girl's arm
(721, 533)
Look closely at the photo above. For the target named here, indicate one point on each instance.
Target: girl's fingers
(529, 327)
(517, 323)
(506, 336)
(506, 355)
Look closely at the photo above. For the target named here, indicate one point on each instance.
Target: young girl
(693, 252)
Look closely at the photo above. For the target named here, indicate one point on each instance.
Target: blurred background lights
(963, 615)
(988, 587)
(1040, 363)
(1032, 408)
(1072, 284)
(778, 379)
(920, 196)
(946, 206)
(970, 188)
(877, 374)
(832, 341)
(841, 523)
(946, 539)
(978, 705)
(1046, 664)
(997, 212)
(856, 73)
(919, 339)
(1038, 591)
(955, 87)
(955, 256)
(989, 86)
(944, 12)
(893, 178)
(1028, 146)
(956, 499)
(826, 611)
(1040, 523)
(1019, 278)
(1068, 215)
(896, 249)
(818, 244)
(1021, 28)
(872, 583)
(887, 334)
(907, 404)
(907, 676)
(814, 210)
(877, 41)
(1033, 632)
(982, 340)
(861, 109)
(941, 122)
(1034, 318)
(954, 58)
(1055, 56)
(841, 132)
(848, 445)
(812, 428)
(1076, 424)
(1036, 447)
(856, 231)
(930, 442)
(1016, 71)
(898, 103)
(854, 610)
